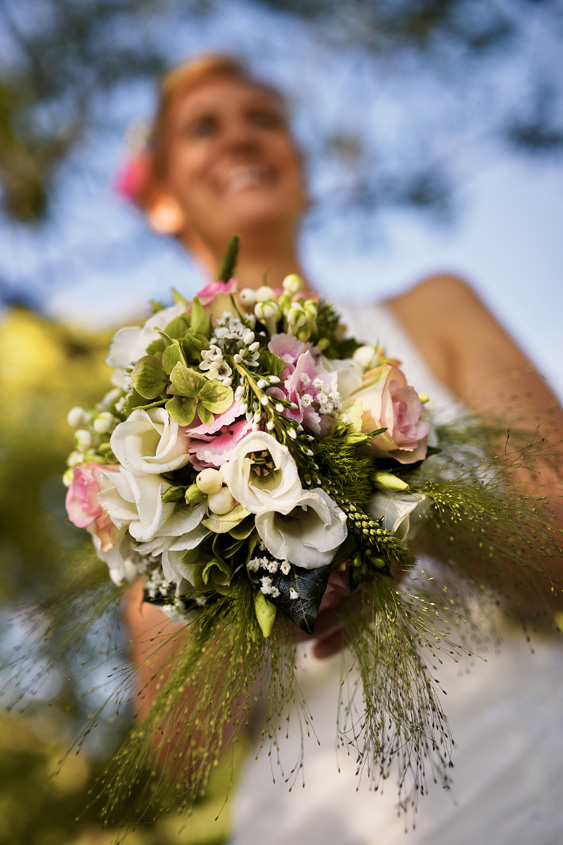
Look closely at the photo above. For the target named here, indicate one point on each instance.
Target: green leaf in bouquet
(223, 523)
(173, 354)
(226, 546)
(244, 529)
(270, 363)
(179, 297)
(193, 344)
(215, 575)
(186, 381)
(216, 397)
(134, 400)
(148, 377)
(178, 327)
(181, 410)
(201, 324)
(300, 594)
(265, 613)
(205, 416)
(156, 347)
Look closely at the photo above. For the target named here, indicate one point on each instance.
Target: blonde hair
(174, 85)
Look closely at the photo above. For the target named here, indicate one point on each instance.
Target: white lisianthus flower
(129, 344)
(309, 534)
(403, 513)
(348, 374)
(121, 559)
(150, 442)
(182, 531)
(135, 502)
(258, 489)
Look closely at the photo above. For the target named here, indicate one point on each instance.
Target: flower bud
(293, 283)
(209, 480)
(296, 316)
(68, 477)
(193, 495)
(265, 293)
(82, 440)
(77, 416)
(104, 423)
(366, 356)
(247, 297)
(388, 481)
(221, 502)
(265, 309)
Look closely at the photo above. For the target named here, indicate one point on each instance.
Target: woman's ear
(165, 214)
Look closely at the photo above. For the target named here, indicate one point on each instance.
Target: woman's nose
(241, 135)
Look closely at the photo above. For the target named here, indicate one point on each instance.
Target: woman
(223, 161)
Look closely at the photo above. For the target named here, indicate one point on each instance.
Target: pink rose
(82, 504)
(387, 400)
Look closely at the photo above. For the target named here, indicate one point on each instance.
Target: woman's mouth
(247, 177)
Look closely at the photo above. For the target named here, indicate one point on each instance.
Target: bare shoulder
(436, 313)
(435, 295)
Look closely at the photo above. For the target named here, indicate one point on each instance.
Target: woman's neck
(261, 261)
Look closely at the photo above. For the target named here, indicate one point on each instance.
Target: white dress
(505, 714)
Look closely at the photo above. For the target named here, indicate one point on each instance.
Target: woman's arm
(472, 355)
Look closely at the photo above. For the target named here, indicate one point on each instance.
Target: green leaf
(201, 554)
(243, 529)
(134, 400)
(229, 263)
(186, 380)
(216, 397)
(310, 585)
(270, 363)
(179, 297)
(156, 347)
(223, 523)
(205, 416)
(265, 613)
(182, 411)
(201, 324)
(218, 571)
(173, 355)
(148, 377)
(178, 327)
(192, 345)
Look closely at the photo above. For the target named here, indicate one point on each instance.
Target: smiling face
(231, 164)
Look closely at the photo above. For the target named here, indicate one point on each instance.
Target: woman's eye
(202, 127)
(266, 120)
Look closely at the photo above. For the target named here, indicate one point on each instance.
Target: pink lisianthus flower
(211, 445)
(386, 400)
(214, 451)
(289, 349)
(82, 504)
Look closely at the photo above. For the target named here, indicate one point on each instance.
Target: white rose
(257, 491)
(129, 344)
(150, 442)
(121, 559)
(135, 502)
(309, 535)
(182, 531)
(403, 513)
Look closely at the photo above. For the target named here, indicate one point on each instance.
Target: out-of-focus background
(433, 135)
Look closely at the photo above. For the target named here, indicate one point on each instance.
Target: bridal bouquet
(254, 465)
